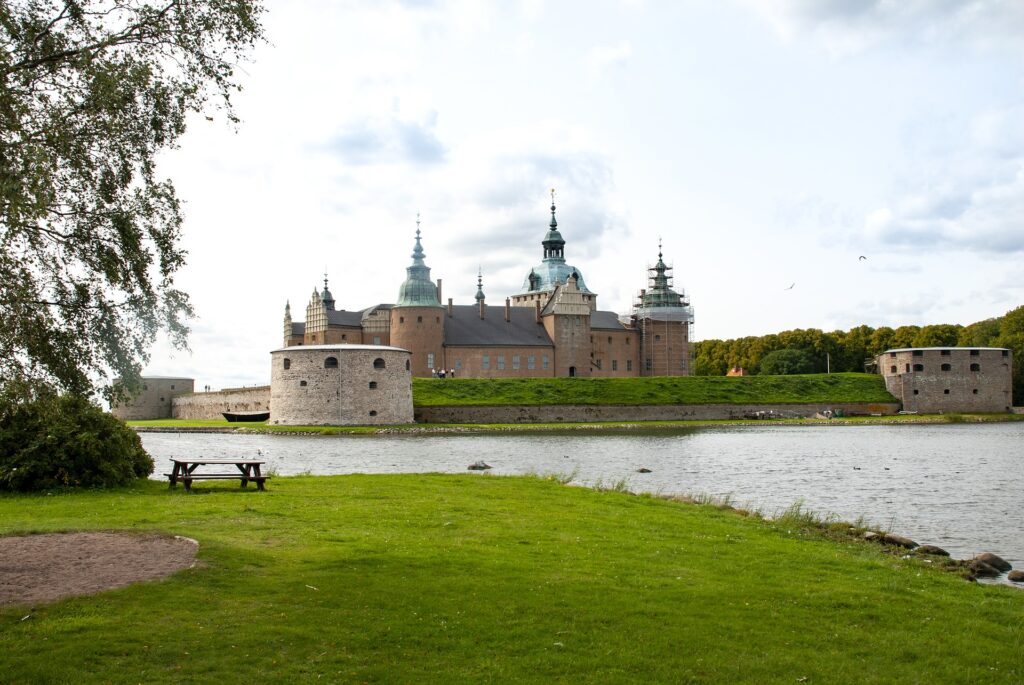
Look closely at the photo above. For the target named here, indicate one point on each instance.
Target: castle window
(609, 340)
(892, 369)
(544, 361)
(331, 363)
(531, 362)
(161, 399)
(946, 367)
(908, 368)
(287, 363)
(401, 319)
(627, 341)
(458, 365)
(302, 384)
(647, 364)
(915, 392)
(657, 337)
(615, 365)
(373, 412)
(918, 353)
(975, 367)
(892, 355)
(975, 353)
(501, 362)
(172, 387)
(485, 362)
(437, 319)
(629, 363)
(944, 353)
(378, 363)
(946, 391)
(1006, 353)
(376, 340)
(430, 361)
(407, 365)
(918, 367)
(515, 362)
(344, 337)
(373, 385)
(975, 391)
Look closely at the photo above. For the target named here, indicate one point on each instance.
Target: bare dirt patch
(44, 568)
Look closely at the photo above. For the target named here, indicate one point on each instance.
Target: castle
(550, 328)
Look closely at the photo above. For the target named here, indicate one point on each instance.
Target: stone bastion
(337, 385)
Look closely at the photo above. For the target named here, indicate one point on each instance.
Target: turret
(417, 319)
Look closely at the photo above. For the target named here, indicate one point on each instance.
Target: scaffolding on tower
(658, 308)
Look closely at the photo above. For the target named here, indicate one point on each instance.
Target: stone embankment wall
(209, 405)
(581, 413)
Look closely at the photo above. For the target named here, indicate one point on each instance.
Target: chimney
(536, 310)
(449, 307)
(481, 303)
(439, 300)
(508, 309)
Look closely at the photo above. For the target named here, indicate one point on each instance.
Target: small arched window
(975, 367)
(331, 363)
(373, 412)
(287, 363)
(918, 367)
(946, 367)
(302, 384)
(373, 385)
(378, 363)
(892, 369)
(407, 365)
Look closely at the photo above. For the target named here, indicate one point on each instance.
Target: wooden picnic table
(185, 471)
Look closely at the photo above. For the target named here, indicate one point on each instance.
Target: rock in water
(899, 541)
(643, 469)
(931, 549)
(1016, 576)
(479, 466)
(981, 569)
(994, 561)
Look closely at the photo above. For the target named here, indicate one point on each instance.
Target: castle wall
(420, 330)
(579, 413)
(614, 353)
(369, 386)
(665, 348)
(210, 405)
(154, 400)
(952, 379)
(571, 335)
(468, 362)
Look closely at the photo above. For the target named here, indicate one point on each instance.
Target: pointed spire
(287, 309)
(417, 250)
(480, 285)
(417, 290)
(326, 296)
(554, 223)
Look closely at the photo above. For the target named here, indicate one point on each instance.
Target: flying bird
(791, 286)
(861, 258)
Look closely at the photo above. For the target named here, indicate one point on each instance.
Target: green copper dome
(553, 269)
(417, 290)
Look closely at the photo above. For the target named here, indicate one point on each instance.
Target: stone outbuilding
(336, 385)
(949, 379)
(154, 401)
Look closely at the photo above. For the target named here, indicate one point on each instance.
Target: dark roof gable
(466, 328)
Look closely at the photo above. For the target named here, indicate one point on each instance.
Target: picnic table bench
(185, 471)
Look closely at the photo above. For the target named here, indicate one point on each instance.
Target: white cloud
(604, 57)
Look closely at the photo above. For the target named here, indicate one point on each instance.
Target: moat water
(958, 486)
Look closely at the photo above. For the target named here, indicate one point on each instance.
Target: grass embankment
(833, 388)
(439, 578)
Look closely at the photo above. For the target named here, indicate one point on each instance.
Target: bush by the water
(66, 441)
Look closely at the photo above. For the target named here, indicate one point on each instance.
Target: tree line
(814, 351)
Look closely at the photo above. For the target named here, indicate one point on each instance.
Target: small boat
(245, 416)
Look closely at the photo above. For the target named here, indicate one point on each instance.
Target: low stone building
(949, 379)
(336, 385)
(155, 400)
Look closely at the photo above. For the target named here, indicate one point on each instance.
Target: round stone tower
(417, 319)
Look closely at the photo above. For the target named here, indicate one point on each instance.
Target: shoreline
(630, 426)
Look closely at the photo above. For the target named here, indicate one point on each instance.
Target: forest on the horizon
(812, 350)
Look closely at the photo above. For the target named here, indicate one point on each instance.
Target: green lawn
(833, 388)
(469, 578)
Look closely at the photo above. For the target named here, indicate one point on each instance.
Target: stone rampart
(584, 413)
(209, 405)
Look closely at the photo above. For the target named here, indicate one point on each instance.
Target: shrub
(66, 441)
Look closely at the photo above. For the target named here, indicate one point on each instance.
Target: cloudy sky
(766, 143)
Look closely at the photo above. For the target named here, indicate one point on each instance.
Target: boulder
(898, 540)
(931, 549)
(643, 469)
(478, 466)
(1016, 576)
(994, 561)
(871, 536)
(981, 569)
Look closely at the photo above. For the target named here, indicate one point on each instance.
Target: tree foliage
(850, 350)
(91, 91)
(65, 441)
(786, 362)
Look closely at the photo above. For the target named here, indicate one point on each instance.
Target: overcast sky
(767, 143)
